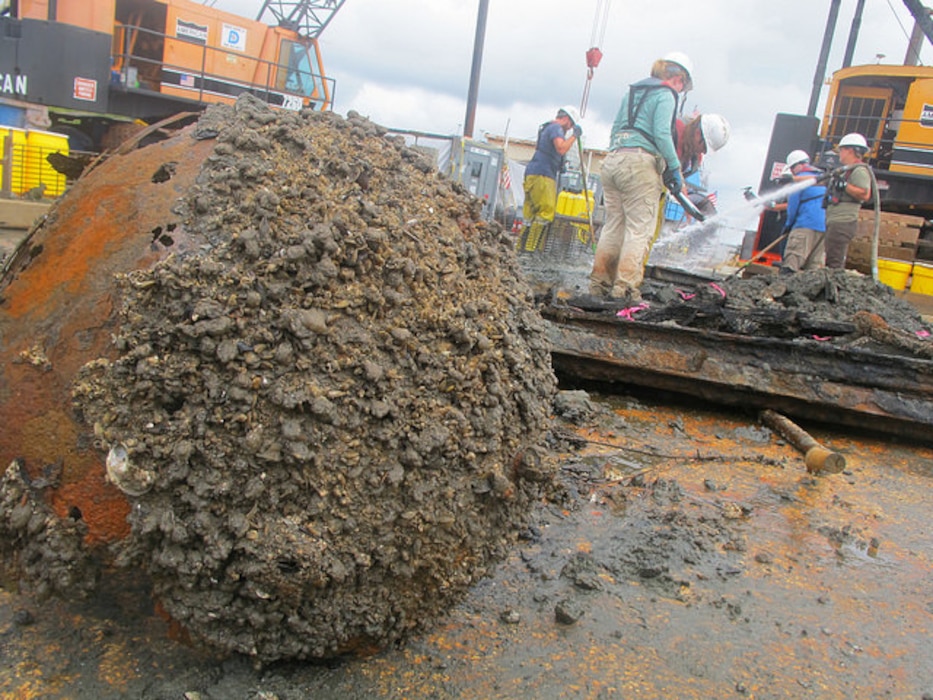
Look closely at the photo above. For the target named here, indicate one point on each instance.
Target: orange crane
(82, 69)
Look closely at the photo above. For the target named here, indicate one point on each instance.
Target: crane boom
(921, 16)
(307, 17)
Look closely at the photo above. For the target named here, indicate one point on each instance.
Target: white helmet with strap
(796, 158)
(854, 141)
(715, 130)
(571, 112)
(682, 60)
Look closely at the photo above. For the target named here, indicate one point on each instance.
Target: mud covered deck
(826, 345)
(690, 555)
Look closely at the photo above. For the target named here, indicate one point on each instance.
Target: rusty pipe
(818, 459)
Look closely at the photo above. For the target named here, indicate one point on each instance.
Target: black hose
(688, 206)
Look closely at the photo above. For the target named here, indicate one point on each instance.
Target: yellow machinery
(892, 107)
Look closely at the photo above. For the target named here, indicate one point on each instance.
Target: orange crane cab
(81, 68)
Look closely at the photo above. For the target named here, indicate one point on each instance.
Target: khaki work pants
(804, 250)
(632, 190)
(838, 236)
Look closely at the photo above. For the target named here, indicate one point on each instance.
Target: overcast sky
(406, 63)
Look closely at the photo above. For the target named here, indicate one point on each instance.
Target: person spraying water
(695, 236)
(806, 218)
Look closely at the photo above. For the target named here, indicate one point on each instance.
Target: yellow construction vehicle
(892, 107)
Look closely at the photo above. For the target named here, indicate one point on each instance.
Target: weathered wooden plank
(848, 386)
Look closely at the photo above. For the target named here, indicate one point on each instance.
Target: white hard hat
(571, 112)
(854, 141)
(682, 60)
(715, 130)
(796, 158)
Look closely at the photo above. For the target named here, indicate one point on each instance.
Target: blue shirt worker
(643, 157)
(540, 182)
(806, 218)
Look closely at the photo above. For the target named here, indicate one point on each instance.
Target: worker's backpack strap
(636, 99)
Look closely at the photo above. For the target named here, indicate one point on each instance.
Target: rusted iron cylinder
(818, 459)
(822, 460)
(57, 313)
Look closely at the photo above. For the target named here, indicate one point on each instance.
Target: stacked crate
(897, 239)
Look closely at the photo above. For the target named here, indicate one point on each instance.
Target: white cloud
(406, 63)
(409, 108)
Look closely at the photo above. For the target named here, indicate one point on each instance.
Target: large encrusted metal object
(326, 387)
(36, 543)
(57, 312)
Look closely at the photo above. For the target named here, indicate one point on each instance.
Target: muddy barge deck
(868, 388)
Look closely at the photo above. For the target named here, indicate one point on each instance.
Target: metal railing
(881, 150)
(25, 171)
(134, 69)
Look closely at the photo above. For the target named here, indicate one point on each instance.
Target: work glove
(673, 180)
(839, 183)
(577, 130)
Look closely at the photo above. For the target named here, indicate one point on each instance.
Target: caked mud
(841, 307)
(325, 404)
(685, 553)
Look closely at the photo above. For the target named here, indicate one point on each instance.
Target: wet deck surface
(691, 556)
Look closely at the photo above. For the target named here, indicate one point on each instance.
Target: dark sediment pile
(838, 306)
(823, 304)
(327, 416)
(46, 550)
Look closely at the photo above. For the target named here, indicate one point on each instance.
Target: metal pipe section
(912, 57)
(824, 56)
(470, 118)
(853, 34)
(921, 16)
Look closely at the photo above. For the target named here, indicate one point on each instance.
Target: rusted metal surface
(818, 459)
(848, 386)
(57, 309)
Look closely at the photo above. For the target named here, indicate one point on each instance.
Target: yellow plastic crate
(922, 280)
(894, 273)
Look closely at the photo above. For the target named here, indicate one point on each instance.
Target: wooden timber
(849, 386)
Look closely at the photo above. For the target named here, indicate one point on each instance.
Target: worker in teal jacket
(642, 159)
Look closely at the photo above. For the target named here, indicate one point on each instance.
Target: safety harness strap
(636, 99)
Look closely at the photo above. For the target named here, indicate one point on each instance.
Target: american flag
(505, 179)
